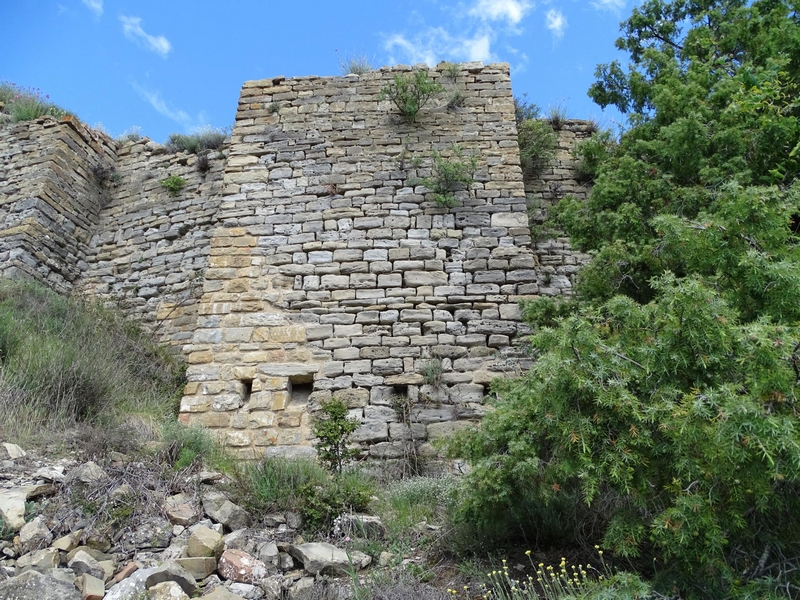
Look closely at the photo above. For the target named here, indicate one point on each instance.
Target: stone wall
(150, 249)
(53, 180)
(307, 261)
(334, 274)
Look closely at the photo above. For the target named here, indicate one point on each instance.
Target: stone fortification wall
(150, 249)
(308, 261)
(52, 187)
(334, 274)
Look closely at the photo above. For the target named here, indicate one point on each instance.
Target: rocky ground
(120, 531)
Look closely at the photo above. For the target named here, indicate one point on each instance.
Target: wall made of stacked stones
(334, 273)
(149, 252)
(52, 186)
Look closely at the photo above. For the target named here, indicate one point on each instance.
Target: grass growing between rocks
(64, 362)
(26, 104)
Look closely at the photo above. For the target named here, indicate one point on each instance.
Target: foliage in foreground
(661, 418)
(26, 104)
(63, 361)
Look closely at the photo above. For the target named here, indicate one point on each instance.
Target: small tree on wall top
(410, 92)
(333, 429)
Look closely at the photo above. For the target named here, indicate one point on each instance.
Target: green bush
(208, 138)
(280, 484)
(592, 153)
(410, 92)
(63, 361)
(173, 184)
(450, 175)
(332, 429)
(27, 104)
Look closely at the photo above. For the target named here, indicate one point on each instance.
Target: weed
(432, 372)
(132, 134)
(557, 116)
(186, 446)
(450, 175)
(333, 429)
(451, 70)
(104, 174)
(410, 92)
(524, 110)
(537, 142)
(273, 108)
(357, 64)
(173, 184)
(26, 104)
(207, 138)
(455, 100)
(203, 163)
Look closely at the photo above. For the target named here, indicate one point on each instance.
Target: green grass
(64, 362)
(207, 138)
(26, 104)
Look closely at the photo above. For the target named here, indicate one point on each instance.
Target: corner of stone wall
(52, 191)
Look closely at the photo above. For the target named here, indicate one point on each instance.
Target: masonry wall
(334, 274)
(150, 249)
(307, 261)
(51, 192)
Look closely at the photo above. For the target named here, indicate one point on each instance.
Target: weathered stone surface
(130, 588)
(222, 510)
(35, 586)
(326, 559)
(154, 532)
(83, 563)
(87, 474)
(179, 510)
(220, 593)
(237, 565)
(91, 588)
(166, 590)
(171, 571)
(11, 451)
(363, 526)
(41, 560)
(198, 567)
(205, 542)
(35, 535)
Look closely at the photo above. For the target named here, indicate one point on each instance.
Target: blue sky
(173, 65)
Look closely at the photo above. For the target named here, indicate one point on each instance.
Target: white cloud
(159, 104)
(96, 6)
(556, 22)
(613, 5)
(494, 10)
(132, 28)
(436, 44)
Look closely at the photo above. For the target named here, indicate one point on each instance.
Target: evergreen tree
(660, 419)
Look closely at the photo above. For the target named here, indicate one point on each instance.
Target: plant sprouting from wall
(410, 92)
(592, 152)
(432, 372)
(208, 138)
(537, 140)
(173, 184)
(355, 64)
(333, 428)
(449, 175)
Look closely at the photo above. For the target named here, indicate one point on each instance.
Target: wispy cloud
(153, 97)
(556, 22)
(435, 44)
(511, 11)
(132, 28)
(615, 6)
(481, 25)
(96, 6)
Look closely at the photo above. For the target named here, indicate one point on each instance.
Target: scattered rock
(69, 542)
(272, 588)
(205, 542)
(301, 588)
(155, 532)
(166, 590)
(239, 566)
(198, 567)
(89, 473)
(12, 451)
(12, 504)
(50, 474)
(222, 510)
(91, 588)
(126, 571)
(83, 562)
(363, 526)
(179, 510)
(220, 593)
(36, 586)
(327, 559)
(172, 571)
(41, 560)
(35, 535)
(131, 588)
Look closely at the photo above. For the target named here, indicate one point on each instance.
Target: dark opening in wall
(400, 390)
(247, 389)
(300, 389)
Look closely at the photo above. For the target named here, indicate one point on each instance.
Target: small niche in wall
(400, 391)
(300, 389)
(247, 389)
